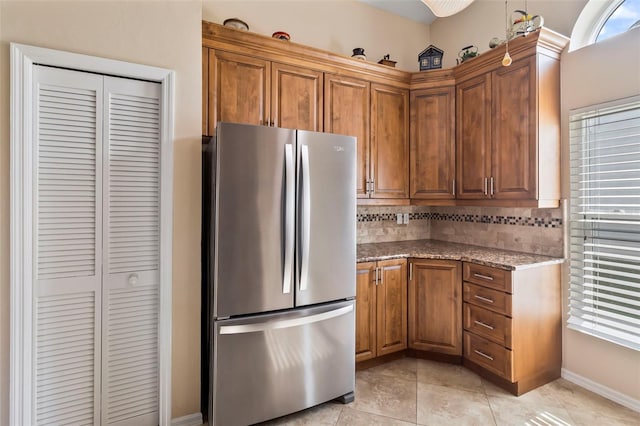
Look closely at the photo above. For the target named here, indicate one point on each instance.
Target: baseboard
(601, 390)
(194, 419)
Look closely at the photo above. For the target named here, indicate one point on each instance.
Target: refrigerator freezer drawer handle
(306, 218)
(286, 323)
(289, 224)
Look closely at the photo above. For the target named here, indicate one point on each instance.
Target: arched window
(625, 16)
(600, 20)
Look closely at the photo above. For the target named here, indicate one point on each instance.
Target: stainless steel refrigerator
(279, 270)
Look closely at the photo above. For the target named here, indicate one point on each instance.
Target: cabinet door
(389, 141)
(514, 159)
(346, 112)
(473, 137)
(435, 306)
(241, 89)
(392, 306)
(432, 168)
(296, 97)
(365, 311)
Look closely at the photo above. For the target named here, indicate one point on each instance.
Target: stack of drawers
(487, 318)
(512, 324)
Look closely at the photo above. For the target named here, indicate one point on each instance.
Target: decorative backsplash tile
(530, 230)
(545, 222)
(380, 217)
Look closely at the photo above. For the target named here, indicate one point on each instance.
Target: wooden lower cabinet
(513, 325)
(381, 308)
(435, 306)
(366, 311)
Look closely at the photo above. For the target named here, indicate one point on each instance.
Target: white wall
(338, 26)
(485, 19)
(602, 72)
(160, 33)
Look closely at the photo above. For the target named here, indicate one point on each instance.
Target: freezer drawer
(270, 365)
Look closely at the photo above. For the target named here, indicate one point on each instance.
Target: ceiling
(410, 9)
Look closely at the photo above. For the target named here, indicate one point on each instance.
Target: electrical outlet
(399, 218)
(405, 218)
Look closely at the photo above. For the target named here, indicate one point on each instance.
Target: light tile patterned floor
(418, 392)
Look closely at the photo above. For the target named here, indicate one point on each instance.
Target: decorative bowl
(236, 23)
(281, 35)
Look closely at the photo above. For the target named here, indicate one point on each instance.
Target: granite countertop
(434, 249)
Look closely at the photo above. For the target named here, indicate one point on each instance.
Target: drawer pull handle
(484, 299)
(484, 277)
(482, 354)
(480, 323)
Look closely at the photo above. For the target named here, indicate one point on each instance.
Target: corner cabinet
(381, 308)
(508, 125)
(435, 306)
(432, 142)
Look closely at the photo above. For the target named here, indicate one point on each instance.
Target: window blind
(604, 298)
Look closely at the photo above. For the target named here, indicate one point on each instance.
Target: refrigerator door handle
(306, 218)
(285, 323)
(289, 225)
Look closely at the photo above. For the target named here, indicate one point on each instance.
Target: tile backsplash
(378, 224)
(539, 231)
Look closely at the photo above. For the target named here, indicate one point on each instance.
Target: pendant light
(442, 8)
(506, 61)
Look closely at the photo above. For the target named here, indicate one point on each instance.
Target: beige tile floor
(418, 392)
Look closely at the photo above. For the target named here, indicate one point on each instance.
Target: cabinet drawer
(493, 300)
(489, 355)
(493, 326)
(487, 276)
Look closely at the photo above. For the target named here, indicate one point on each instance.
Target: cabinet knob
(133, 279)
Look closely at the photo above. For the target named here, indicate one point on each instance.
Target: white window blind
(605, 221)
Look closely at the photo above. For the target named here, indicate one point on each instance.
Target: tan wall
(485, 19)
(334, 25)
(584, 84)
(159, 33)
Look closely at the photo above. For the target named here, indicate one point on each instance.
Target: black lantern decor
(430, 58)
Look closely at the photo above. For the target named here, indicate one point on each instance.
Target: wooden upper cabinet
(392, 306)
(435, 306)
(241, 89)
(346, 112)
(244, 89)
(432, 140)
(473, 135)
(389, 141)
(497, 134)
(514, 162)
(365, 311)
(508, 125)
(296, 96)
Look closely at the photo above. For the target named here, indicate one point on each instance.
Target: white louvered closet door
(96, 249)
(131, 281)
(67, 247)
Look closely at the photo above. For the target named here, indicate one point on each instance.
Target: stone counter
(433, 249)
